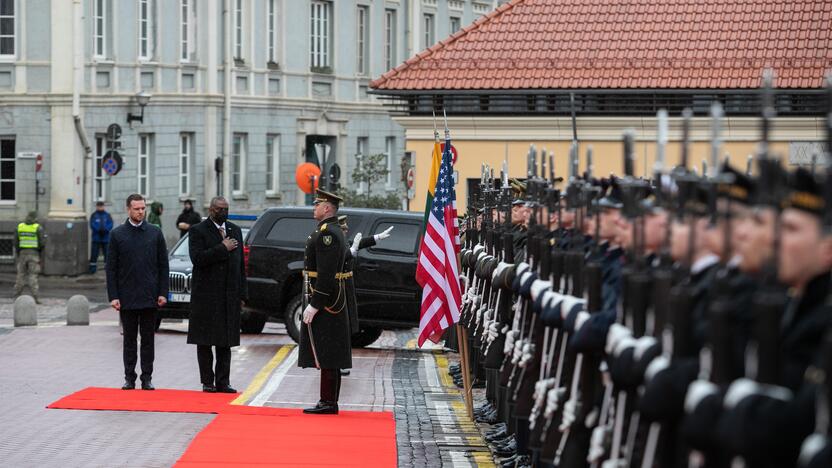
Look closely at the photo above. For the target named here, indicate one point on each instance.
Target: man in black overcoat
(325, 334)
(217, 291)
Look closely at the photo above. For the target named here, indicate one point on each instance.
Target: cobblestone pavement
(40, 364)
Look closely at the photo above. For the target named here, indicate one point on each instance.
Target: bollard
(78, 310)
(25, 311)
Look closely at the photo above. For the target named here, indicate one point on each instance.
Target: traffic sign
(38, 162)
(411, 176)
(112, 163)
(113, 132)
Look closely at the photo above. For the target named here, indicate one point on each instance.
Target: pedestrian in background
(29, 244)
(155, 215)
(187, 219)
(137, 284)
(101, 223)
(218, 289)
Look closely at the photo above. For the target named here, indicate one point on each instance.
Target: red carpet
(262, 436)
(166, 401)
(246, 436)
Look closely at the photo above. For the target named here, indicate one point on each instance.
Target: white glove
(741, 388)
(697, 391)
(615, 334)
(383, 234)
(309, 314)
(355, 242)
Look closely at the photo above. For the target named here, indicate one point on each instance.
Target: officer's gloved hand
(703, 408)
(383, 234)
(309, 314)
(355, 242)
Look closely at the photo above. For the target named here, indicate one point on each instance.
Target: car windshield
(182, 249)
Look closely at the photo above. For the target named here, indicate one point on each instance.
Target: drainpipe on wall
(77, 82)
(226, 138)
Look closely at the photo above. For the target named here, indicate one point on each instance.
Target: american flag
(438, 271)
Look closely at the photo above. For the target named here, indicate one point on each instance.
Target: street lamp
(142, 98)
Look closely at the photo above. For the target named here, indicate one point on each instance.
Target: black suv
(385, 275)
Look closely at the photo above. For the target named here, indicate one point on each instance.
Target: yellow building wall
(607, 159)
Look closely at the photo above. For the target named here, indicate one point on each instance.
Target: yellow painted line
(444, 378)
(259, 379)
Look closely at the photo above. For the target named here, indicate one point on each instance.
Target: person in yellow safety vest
(30, 243)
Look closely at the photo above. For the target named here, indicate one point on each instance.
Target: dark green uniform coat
(349, 266)
(325, 252)
(218, 285)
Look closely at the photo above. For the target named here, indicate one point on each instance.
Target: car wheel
(252, 322)
(365, 337)
(292, 317)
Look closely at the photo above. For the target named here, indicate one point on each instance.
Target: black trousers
(138, 322)
(207, 374)
(330, 385)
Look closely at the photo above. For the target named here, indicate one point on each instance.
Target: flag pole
(462, 334)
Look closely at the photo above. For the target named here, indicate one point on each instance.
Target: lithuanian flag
(434, 173)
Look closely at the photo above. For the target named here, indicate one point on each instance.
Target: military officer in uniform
(325, 334)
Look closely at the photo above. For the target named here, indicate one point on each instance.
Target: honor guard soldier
(325, 335)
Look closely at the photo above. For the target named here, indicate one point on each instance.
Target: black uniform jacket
(218, 285)
(349, 266)
(324, 260)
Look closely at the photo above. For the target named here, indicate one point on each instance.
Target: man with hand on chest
(218, 288)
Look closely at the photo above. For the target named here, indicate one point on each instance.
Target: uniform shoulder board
(323, 227)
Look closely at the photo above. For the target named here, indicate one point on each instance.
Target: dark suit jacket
(218, 285)
(137, 266)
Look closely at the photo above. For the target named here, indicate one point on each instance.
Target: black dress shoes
(209, 389)
(344, 371)
(128, 385)
(226, 389)
(146, 385)
(323, 408)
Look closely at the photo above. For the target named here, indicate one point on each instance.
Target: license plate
(180, 297)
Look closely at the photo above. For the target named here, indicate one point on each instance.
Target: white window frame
(389, 39)
(5, 158)
(100, 177)
(144, 155)
(187, 30)
(320, 34)
(272, 31)
(458, 21)
(147, 19)
(99, 15)
(13, 36)
(238, 26)
(272, 163)
(362, 45)
(429, 23)
(238, 164)
(362, 146)
(186, 156)
(389, 150)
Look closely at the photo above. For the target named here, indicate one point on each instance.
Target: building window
(100, 187)
(99, 23)
(363, 45)
(7, 170)
(320, 56)
(390, 153)
(186, 151)
(145, 149)
(271, 22)
(147, 29)
(187, 31)
(456, 24)
(7, 28)
(429, 31)
(238, 163)
(360, 153)
(272, 163)
(238, 29)
(389, 39)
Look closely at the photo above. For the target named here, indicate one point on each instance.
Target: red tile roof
(628, 44)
